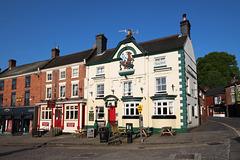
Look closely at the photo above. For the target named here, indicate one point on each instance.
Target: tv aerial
(129, 32)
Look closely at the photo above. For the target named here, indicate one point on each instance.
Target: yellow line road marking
(237, 131)
(136, 148)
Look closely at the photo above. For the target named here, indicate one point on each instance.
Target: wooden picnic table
(167, 130)
(80, 133)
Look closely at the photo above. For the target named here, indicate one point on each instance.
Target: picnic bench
(115, 135)
(167, 130)
(145, 131)
(80, 133)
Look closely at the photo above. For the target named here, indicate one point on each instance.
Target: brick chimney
(55, 52)
(185, 26)
(101, 43)
(12, 63)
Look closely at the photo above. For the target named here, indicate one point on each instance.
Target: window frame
(61, 93)
(1, 99)
(46, 113)
(161, 91)
(60, 74)
(27, 98)
(47, 91)
(73, 72)
(28, 81)
(71, 112)
(13, 99)
(127, 88)
(156, 108)
(1, 85)
(74, 93)
(98, 95)
(49, 76)
(130, 108)
(162, 62)
(100, 110)
(100, 71)
(14, 83)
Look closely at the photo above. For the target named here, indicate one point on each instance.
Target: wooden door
(112, 115)
(58, 117)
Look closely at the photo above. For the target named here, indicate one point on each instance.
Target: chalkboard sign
(90, 133)
(91, 116)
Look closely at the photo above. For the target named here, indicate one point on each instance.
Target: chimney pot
(184, 17)
(55, 52)
(185, 27)
(12, 63)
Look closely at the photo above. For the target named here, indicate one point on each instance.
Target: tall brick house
(62, 103)
(19, 91)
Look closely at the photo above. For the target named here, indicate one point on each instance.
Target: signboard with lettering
(45, 123)
(70, 124)
(90, 133)
(51, 104)
(140, 107)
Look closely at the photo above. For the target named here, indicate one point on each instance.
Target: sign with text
(140, 107)
(70, 124)
(51, 104)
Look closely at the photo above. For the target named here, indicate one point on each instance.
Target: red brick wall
(20, 91)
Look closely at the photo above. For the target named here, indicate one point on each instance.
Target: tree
(217, 69)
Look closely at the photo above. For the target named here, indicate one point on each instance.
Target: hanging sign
(51, 104)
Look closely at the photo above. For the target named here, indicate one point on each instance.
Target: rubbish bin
(129, 130)
(104, 134)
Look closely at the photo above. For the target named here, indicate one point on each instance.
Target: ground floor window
(46, 113)
(100, 113)
(163, 107)
(72, 112)
(130, 108)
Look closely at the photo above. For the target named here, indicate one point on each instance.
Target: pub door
(58, 117)
(112, 115)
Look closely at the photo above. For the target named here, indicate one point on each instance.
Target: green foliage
(217, 69)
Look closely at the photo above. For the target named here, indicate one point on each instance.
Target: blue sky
(31, 28)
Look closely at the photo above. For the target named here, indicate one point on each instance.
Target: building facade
(159, 74)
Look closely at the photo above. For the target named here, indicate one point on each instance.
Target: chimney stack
(185, 26)
(12, 63)
(101, 43)
(55, 52)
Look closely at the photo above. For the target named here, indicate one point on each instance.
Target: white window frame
(60, 74)
(47, 91)
(46, 113)
(71, 112)
(75, 75)
(130, 108)
(160, 61)
(60, 90)
(100, 70)
(160, 105)
(99, 95)
(49, 76)
(73, 94)
(157, 91)
(100, 110)
(127, 88)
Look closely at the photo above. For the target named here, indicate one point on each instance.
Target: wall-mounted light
(112, 91)
(173, 87)
(91, 93)
(141, 88)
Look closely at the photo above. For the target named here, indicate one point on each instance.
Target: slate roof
(215, 91)
(165, 44)
(69, 59)
(23, 69)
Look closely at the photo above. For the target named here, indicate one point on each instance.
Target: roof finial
(184, 17)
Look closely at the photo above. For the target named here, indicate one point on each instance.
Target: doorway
(112, 115)
(58, 117)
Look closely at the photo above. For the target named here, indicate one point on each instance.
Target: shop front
(67, 115)
(17, 120)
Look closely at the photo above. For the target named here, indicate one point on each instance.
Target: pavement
(204, 135)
